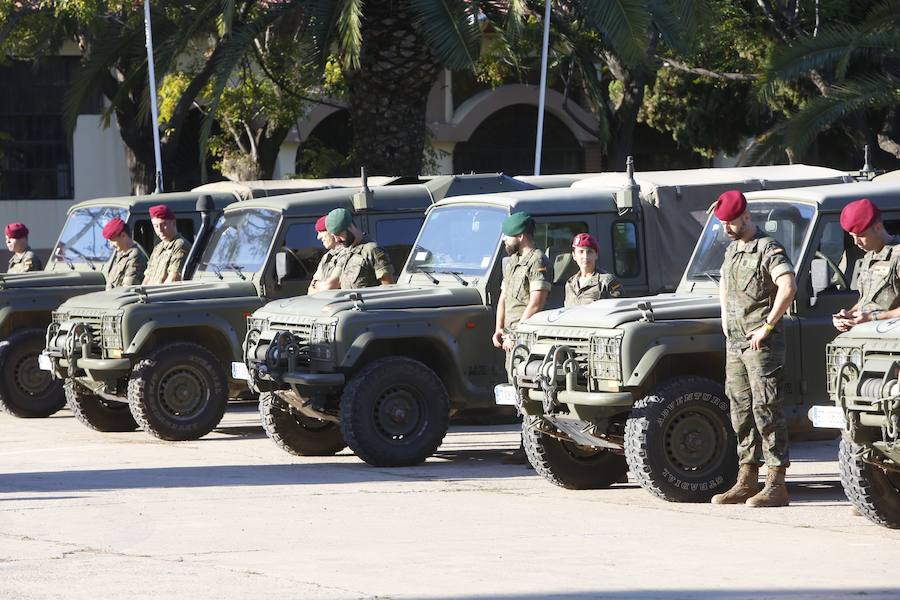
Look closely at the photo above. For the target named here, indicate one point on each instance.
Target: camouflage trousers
(753, 386)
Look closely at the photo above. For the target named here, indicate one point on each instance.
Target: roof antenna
(627, 198)
(867, 170)
(363, 199)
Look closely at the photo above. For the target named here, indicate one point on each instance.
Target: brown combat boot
(747, 486)
(775, 492)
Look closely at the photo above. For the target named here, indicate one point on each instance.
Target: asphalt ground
(90, 515)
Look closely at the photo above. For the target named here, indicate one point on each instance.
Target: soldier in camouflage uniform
(589, 283)
(327, 262)
(879, 269)
(526, 281)
(756, 289)
(127, 264)
(23, 259)
(361, 262)
(169, 255)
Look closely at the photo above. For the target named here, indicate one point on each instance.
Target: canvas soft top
(244, 190)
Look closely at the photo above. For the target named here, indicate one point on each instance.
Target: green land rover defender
(639, 383)
(381, 369)
(159, 356)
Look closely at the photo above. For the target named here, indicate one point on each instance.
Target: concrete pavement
(90, 515)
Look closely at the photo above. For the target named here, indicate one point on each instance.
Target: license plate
(239, 371)
(827, 416)
(505, 394)
(44, 363)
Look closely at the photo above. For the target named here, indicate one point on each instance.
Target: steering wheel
(841, 280)
(292, 252)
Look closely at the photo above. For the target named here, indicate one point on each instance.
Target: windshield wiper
(713, 276)
(456, 274)
(236, 269)
(86, 259)
(212, 267)
(427, 274)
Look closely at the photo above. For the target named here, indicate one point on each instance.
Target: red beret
(859, 216)
(320, 224)
(730, 206)
(113, 228)
(16, 230)
(161, 211)
(586, 240)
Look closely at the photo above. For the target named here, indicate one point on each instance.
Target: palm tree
(858, 70)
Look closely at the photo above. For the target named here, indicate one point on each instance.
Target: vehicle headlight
(839, 357)
(321, 341)
(856, 357)
(111, 330)
(526, 338)
(605, 360)
(59, 316)
(257, 323)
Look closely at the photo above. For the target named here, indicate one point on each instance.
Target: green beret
(517, 224)
(338, 220)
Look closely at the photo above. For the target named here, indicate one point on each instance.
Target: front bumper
(75, 352)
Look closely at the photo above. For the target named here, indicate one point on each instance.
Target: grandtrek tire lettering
(97, 413)
(679, 442)
(296, 433)
(394, 412)
(873, 491)
(569, 465)
(25, 390)
(178, 393)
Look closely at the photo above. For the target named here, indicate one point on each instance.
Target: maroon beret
(730, 206)
(16, 230)
(859, 216)
(113, 228)
(161, 211)
(320, 224)
(586, 240)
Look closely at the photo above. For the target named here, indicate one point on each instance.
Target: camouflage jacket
(125, 268)
(167, 257)
(600, 285)
(749, 273)
(326, 264)
(523, 274)
(362, 265)
(879, 278)
(25, 262)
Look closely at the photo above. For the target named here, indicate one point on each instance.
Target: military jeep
(863, 368)
(638, 383)
(158, 357)
(27, 299)
(383, 369)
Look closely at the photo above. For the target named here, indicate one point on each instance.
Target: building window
(35, 147)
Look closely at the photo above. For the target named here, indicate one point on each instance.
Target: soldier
(326, 263)
(360, 262)
(22, 259)
(756, 288)
(127, 264)
(526, 283)
(169, 255)
(589, 283)
(879, 269)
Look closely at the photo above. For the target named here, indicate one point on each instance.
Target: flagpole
(154, 111)
(539, 142)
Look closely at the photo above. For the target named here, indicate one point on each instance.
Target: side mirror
(282, 269)
(820, 275)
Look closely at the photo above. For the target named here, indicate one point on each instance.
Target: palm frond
(623, 25)
(451, 30)
(873, 91)
(516, 13)
(883, 16)
(321, 24)
(766, 149)
(677, 21)
(350, 31)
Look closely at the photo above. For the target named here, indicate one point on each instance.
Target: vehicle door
(396, 233)
(302, 251)
(553, 235)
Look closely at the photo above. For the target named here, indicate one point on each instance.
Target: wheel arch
(223, 346)
(430, 351)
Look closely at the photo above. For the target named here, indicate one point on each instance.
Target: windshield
(239, 242)
(82, 241)
(459, 239)
(787, 222)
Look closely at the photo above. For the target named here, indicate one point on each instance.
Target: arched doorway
(325, 152)
(505, 142)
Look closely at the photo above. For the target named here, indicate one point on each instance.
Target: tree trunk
(139, 157)
(388, 94)
(269, 147)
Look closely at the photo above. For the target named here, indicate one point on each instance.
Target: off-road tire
(95, 412)
(188, 368)
(386, 385)
(874, 493)
(296, 433)
(664, 460)
(25, 390)
(569, 465)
